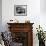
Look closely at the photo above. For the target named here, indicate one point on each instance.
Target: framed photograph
(20, 10)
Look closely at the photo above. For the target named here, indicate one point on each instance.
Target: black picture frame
(20, 10)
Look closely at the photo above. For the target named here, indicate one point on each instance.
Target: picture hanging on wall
(20, 10)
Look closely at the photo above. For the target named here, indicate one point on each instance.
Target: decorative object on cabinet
(41, 36)
(13, 21)
(20, 10)
(22, 33)
(27, 21)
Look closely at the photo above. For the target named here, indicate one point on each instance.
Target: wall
(43, 14)
(43, 6)
(0, 15)
(33, 10)
(33, 14)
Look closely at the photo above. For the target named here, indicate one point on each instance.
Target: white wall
(0, 15)
(34, 13)
(43, 14)
(33, 10)
(43, 6)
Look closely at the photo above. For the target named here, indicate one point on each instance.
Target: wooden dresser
(22, 33)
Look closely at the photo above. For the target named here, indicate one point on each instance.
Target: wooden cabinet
(22, 33)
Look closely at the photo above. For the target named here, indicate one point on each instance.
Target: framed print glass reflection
(20, 10)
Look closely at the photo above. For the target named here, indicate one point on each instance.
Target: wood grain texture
(23, 27)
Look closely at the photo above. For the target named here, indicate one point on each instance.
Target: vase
(41, 43)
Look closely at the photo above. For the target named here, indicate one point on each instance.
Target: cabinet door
(20, 37)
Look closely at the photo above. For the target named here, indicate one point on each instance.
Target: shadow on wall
(0, 15)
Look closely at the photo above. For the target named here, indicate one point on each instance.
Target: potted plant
(41, 36)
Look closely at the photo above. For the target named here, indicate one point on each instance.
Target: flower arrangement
(40, 34)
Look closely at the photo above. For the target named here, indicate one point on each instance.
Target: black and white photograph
(20, 10)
